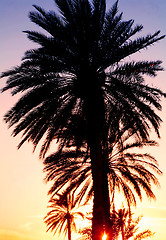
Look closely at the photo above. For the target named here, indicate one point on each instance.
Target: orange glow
(104, 236)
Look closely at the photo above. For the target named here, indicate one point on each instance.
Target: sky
(23, 193)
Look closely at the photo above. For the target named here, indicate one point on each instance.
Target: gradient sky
(23, 193)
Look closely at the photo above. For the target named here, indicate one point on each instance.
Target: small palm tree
(127, 226)
(62, 216)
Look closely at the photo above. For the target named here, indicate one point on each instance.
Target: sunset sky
(23, 193)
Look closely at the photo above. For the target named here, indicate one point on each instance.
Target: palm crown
(77, 66)
(62, 216)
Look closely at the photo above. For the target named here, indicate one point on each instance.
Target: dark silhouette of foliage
(129, 171)
(79, 72)
(62, 216)
(145, 234)
(77, 60)
(128, 226)
(86, 234)
(124, 225)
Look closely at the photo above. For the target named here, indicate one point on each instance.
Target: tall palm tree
(62, 216)
(79, 69)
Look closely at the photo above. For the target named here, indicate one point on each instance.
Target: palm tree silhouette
(79, 71)
(62, 216)
(127, 226)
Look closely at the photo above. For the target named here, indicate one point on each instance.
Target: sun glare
(104, 237)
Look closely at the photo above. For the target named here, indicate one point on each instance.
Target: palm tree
(62, 216)
(128, 226)
(79, 72)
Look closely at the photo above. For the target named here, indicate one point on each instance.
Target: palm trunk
(107, 222)
(122, 230)
(98, 202)
(101, 205)
(68, 220)
(106, 193)
(101, 202)
(69, 228)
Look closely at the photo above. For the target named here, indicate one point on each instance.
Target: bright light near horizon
(104, 236)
